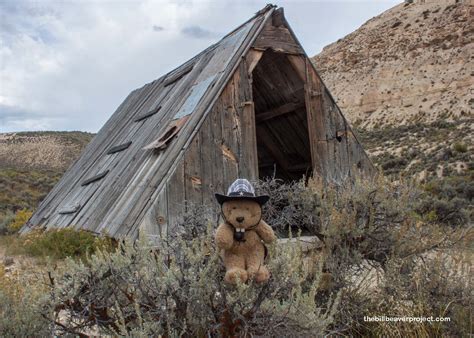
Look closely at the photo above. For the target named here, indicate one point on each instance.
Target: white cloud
(68, 65)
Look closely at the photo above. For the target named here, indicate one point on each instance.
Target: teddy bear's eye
(234, 207)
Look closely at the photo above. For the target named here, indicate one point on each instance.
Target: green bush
(460, 147)
(59, 244)
(21, 217)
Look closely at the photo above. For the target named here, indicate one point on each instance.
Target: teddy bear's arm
(265, 232)
(224, 236)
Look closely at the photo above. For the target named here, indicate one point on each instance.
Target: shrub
(20, 307)
(59, 244)
(460, 147)
(178, 289)
(21, 217)
(379, 257)
(5, 219)
(428, 286)
(373, 228)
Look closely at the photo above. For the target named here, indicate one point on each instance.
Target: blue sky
(67, 65)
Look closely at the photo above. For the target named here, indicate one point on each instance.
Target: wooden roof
(108, 189)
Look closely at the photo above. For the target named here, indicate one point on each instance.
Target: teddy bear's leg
(255, 267)
(235, 266)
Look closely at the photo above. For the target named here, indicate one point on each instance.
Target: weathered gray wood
(316, 121)
(278, 39)
(154, 224)
(192, 172)
(146, 115)
(95, 178)
(230, 125)
(215, 150)
(118, 148)
(70, 209)
(207, 150)
(176, 196)
(172, 78)
(248, 158)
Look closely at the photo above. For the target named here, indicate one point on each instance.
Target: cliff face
(411, 64)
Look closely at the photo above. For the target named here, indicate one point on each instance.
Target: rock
(410, 64)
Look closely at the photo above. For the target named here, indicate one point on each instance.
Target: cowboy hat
(241, 189)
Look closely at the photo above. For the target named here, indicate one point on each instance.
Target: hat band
(241, 194)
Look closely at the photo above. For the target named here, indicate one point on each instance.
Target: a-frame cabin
(251, 105)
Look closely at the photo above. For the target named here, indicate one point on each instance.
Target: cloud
(67, 65)
(157, 28)
(199, 32)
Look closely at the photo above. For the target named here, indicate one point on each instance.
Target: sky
(67, 65)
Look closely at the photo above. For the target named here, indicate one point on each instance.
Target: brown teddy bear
(240, 236)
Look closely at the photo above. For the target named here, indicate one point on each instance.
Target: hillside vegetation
(30, 165)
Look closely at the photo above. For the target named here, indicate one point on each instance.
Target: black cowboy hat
(241, 189)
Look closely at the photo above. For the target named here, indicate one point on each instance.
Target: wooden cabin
(252, 105)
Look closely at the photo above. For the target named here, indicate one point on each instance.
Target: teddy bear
(241, 237)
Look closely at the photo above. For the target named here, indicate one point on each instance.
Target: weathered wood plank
(230, 126)
(176, 196)
(252, 58)
(316, 121)
(216, 152)
(279, 111)
(192, 172)
(278, 39)
(178, 75)
(208, 151)
(248, 161)
(95, 178)
(146, 115)
(118, 148)
(154, 224)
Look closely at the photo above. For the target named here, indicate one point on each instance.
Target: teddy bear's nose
(240, 219)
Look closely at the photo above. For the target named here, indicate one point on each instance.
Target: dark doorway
(282, 129)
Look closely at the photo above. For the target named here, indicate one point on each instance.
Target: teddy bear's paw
(235, 274)
(261, 275)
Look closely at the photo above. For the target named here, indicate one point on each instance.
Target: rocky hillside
(405, 81)
(41, 150)
(412, 63)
